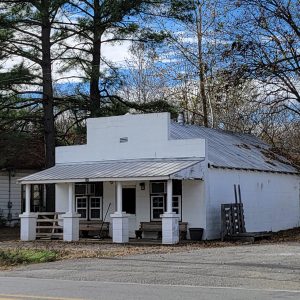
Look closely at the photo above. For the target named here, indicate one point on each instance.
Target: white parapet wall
(130, 137)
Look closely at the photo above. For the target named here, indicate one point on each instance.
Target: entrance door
(128, 200)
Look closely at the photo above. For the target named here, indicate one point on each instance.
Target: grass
(26, 256)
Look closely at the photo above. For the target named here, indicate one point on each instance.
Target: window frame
(164, 195)
(86, 207)
(100, 208)
(153, 207)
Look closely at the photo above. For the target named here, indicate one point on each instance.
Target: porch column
(120, 229)
(170, 220)
(71, 219)
(28, 219)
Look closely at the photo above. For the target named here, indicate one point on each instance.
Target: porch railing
(49, 225)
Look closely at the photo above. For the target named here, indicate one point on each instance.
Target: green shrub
(26, 256)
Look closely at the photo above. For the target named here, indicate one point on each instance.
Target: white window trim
(100, 208)
(86, 207)
(164, 208)
(152, 207)
(179, 204)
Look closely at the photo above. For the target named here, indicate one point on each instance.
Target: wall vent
(123, 139)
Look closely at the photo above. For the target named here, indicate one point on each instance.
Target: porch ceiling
(126, 170)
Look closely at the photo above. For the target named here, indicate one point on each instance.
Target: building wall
(271, 201)
(193, 204)
(15, 195)
(104, 134)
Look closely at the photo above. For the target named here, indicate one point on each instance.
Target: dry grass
(105, 249)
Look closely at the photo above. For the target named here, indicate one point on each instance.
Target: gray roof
(234, 150)
(110, 170)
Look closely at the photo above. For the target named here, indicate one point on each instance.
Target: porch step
(49, 227)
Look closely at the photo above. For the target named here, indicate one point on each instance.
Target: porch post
(120, 228)
(71, 219)
(169, 196)
(119, 198)
(28, 219)
(27, 198)
(170, 220)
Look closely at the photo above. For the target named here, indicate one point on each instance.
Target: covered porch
(126, 195)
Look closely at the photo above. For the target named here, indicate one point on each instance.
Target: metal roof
(234, 150)
(112, 170)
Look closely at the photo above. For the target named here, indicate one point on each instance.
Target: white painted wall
(61, 197)
(15, 192)
(193, 204)
(271, 201)
(148, 137)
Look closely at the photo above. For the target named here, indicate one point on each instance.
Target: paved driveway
(243, 272)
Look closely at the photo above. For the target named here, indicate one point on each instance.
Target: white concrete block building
(138, 170)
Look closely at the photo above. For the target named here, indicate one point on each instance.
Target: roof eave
(254, 170)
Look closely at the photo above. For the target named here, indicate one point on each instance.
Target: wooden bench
(87, 228)
(156, 226)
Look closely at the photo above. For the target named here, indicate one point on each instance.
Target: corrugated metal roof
(234, 150)
(109, 170)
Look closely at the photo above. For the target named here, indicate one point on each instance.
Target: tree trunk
(96, 59)
(49, 129)
(201, 63)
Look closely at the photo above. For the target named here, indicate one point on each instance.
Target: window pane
(82, 212)
(175, 201)
(95, 213)
(176, 210)
(157, 213)
(80, 189)
(95, 202)
(157, 187)
(158, 202)
(81, 203)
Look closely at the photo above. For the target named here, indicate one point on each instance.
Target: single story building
(138, 169)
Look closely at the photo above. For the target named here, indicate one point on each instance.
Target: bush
(26, 256)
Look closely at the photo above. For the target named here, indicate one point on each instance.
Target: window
(158, 187)
(82, 206)
(37, 199)
(159, 198)
(95, 208)
(177, 204)
(84, 189)
(89, 207)
(157, 207)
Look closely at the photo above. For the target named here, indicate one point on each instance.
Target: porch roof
(126, 170)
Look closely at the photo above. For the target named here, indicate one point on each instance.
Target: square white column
(120, 227)
(71, 227)
(28, 226)
(28, 219)
(170, 220)
(71, 219)
(170, 228)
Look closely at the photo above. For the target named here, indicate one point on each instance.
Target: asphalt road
(244, 272)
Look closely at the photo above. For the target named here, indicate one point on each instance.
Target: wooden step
(49, 227)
